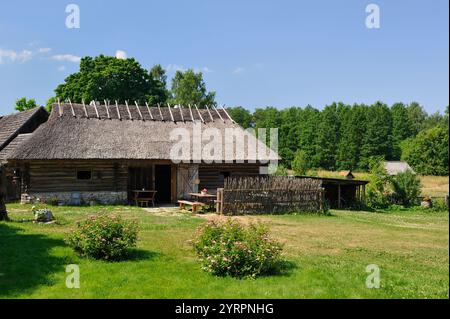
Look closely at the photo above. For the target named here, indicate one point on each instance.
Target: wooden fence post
(219, 201)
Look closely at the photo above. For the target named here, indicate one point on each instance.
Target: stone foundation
(76, 198)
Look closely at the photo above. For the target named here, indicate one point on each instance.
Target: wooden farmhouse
(103, 152)
(14, 129)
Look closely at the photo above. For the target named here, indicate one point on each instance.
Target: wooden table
(207, 198)
(144, 196)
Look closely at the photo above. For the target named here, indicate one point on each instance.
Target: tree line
(343, 137)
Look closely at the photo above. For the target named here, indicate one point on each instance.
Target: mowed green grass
(328, 257)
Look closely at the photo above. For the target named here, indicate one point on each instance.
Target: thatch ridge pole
(149, 112)
(160, 113)
(139, 111)
(107, 110)
(192, 115)
(85, 109)
(228, 114)
(170, 111)
(71, 107)
(128, 109)
(218, 113)
(95, 107)
(181, 112)
(198, 111)
(59, 108)
(210, 115)
(118, 112)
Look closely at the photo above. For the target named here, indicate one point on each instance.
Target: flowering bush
(103, 237)
(231, 249)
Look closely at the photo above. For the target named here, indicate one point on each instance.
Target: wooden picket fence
(270, 195)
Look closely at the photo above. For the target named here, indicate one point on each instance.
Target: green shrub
(232, 249)
(439, 205)
(406, 189)
(103, 237)
(378, 189)
(281, 171)
(300, 164)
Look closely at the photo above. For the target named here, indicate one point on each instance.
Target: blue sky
(253, 53)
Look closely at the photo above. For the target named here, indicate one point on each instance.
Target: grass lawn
(328, 254)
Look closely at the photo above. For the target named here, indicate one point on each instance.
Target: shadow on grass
(140, 254)
(283, 269)
(25, 260)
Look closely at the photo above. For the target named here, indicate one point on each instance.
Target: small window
(84, 175)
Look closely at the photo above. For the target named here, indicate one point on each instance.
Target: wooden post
(153, 177)
(173, 189)
(219, 201)
(357, 194)
(363, 194)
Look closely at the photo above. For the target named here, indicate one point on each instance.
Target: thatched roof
(76, 131)
(395, 167)
(18, 123)
(6, 152)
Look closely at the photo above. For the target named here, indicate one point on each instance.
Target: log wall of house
(61, 176)
(212, 175)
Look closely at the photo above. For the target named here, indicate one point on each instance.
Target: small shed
(342, 193)
(396, 167)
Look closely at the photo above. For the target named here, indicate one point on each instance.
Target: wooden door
(186, 180)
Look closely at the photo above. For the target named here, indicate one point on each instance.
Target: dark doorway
(139, 178)
(163, 178)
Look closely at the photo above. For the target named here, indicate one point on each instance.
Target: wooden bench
(194, 205)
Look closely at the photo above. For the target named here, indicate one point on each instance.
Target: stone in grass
(44, 215)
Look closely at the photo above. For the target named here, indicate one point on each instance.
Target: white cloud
(238, 70)
(121, 54)
(205, 69)
(66, 57)
(44, 50)
(176, 67)
(62, 68)
(14, 56)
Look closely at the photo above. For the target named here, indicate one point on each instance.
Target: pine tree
(401, 127)
(328, 137)
(377, 140)
(307, 133)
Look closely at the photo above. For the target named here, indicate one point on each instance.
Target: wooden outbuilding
(14, 130)
(342, 193)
